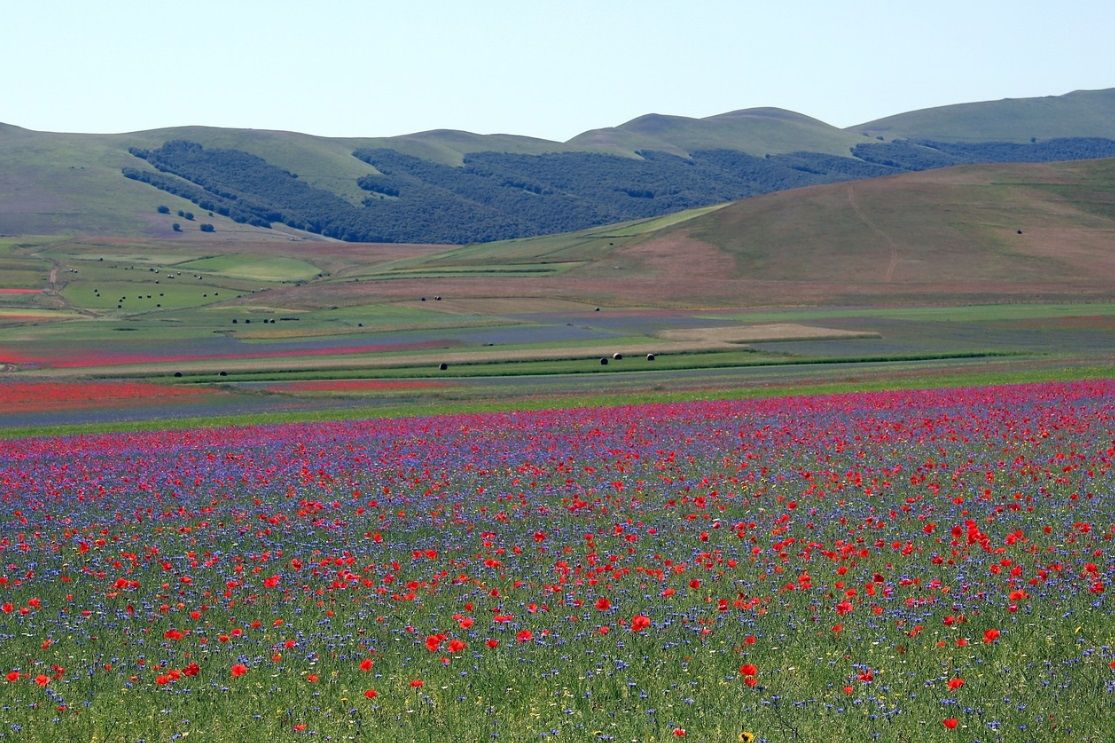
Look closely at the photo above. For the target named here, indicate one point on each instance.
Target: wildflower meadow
(916, 565)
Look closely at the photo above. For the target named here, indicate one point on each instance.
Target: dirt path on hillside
(892, 264)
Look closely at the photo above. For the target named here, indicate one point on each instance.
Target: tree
(176, 227)
(163, 209)
(206, 227)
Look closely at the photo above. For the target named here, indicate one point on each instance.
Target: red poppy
(603, 604)
(371, 694)
(639, 622)
(949, 722)
(238, 670)
(991, 636)
(417, 684)
(748, 669)
(955, 683)
(13, 676)
(524, 636)
(366, 664)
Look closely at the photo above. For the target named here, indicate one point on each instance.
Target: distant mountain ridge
(1081, 113)
(456, 187)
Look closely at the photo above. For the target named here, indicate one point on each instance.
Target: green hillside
(972, 233)
(757, 131)
(445, 186)
(1083, 113)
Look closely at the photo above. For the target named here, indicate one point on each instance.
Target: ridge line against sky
(544, 69)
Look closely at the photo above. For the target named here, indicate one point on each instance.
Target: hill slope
(756, 131)
(1082, 113)
(458, 187)
(966, 234)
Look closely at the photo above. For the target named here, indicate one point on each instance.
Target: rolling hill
(969, 234)
(1082, 113)
(757, 131)
(456, 187)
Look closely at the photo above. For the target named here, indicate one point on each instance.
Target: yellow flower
(746, 737)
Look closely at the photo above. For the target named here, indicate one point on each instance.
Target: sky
(531, 67)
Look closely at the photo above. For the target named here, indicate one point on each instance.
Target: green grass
(756, 131)
(144, 296)
(474, 271)
(256, 268)
(1085, 113)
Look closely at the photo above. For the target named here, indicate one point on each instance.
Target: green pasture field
(449, 271)
(20, 280)
(256, 268)
(23, 273)
(141, 297)
(642, 227)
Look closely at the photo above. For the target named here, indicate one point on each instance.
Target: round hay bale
(443, 366)
(617, 356)
(650, 357)
(603, 361)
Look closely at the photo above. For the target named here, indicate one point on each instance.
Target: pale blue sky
(545, 69)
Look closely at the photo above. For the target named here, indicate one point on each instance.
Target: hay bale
(443, 366)
(603, 361)
(650, 357)
(617, 356)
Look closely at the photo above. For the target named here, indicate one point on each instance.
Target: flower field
(928, 565)
(38, 397)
